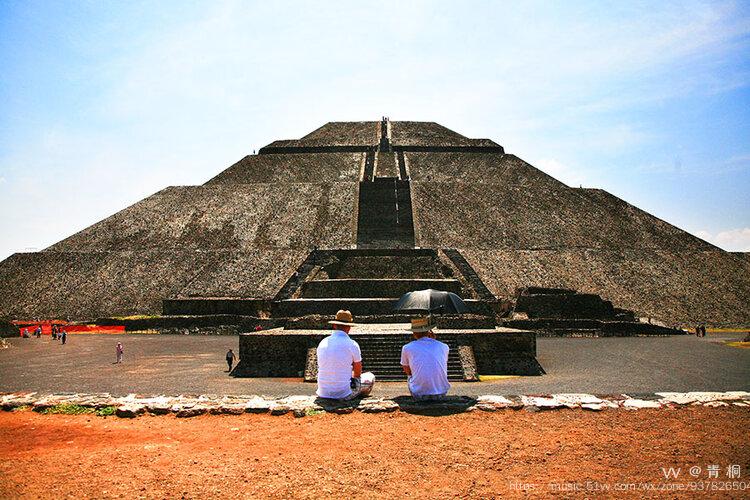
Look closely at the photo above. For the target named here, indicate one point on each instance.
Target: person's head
(344, 321)
(422, 327)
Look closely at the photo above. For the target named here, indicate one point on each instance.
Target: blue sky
(104, 103)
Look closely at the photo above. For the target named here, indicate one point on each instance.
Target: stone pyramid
(377, 185)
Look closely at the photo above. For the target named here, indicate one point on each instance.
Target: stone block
(130, 410)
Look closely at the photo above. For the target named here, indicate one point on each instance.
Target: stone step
(358, 306)
(469, 274)
(375, 288)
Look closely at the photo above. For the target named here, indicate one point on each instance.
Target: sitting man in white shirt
(425, 362)
(340, 363)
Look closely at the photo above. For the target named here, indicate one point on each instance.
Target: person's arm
(356, 361)
(405, 363)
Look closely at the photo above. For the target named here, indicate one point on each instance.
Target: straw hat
(421, 325)
(343, 318)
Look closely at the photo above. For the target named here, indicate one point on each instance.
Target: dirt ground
(510, 453)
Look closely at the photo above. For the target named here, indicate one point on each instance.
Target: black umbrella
(431, 301)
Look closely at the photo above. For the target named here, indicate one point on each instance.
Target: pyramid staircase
(368, 282)
(381, 355)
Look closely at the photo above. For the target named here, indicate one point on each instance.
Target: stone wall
(431, 134)
(346, 133)
(274, 354)
(507, 203)
(293, 168)
(680, 287)
(579, 305)
(284, 354)
(8, 329)
(84, 286)
(228, 216)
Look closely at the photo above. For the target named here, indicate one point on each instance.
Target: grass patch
(22, 408)
(67, 409)
(107, 411)
(311, 412)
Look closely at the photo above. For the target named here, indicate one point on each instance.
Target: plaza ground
(384, 455)
(194, 364)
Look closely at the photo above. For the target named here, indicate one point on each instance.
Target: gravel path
(179, 364)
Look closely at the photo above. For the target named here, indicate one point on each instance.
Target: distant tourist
(425, 362)
(119, 351)
(54, 332)
(25, 333)
(340, 363)
(231, 358)
(63, 336)
(38, 332)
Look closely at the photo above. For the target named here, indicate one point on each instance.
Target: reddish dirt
(383, 455)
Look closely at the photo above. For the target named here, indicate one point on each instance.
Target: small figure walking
(119, 350)
(63, 336)
(38, 332)
(231, 358)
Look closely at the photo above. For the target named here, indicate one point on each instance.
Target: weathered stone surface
(494, 403)
(280, 409)
(575, 400)
(300, 406)
(14, 400)
(593, 406)
(190, 411)
(130, 410)
(230, 409)
(640, 403)
(542, 403)
(258, 405)
(377, 406)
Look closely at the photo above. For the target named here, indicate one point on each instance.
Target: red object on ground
(47, 327)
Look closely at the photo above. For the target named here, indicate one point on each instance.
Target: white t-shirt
(428, 360)
(336, 354)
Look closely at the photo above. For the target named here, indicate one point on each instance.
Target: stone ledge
(184, 406)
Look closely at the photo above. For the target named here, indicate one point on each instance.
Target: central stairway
(381, 354)
(368, 282)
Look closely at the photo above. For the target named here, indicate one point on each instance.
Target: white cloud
(733, 240)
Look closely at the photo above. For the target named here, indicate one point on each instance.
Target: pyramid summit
(376, 193)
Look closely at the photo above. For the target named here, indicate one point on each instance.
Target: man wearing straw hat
(425, 362)
(340, 363)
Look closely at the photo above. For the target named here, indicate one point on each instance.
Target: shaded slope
(677, 286)
(293, 168)
(431, 134)
(505, 203)
(228, 216)
(87, 285)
